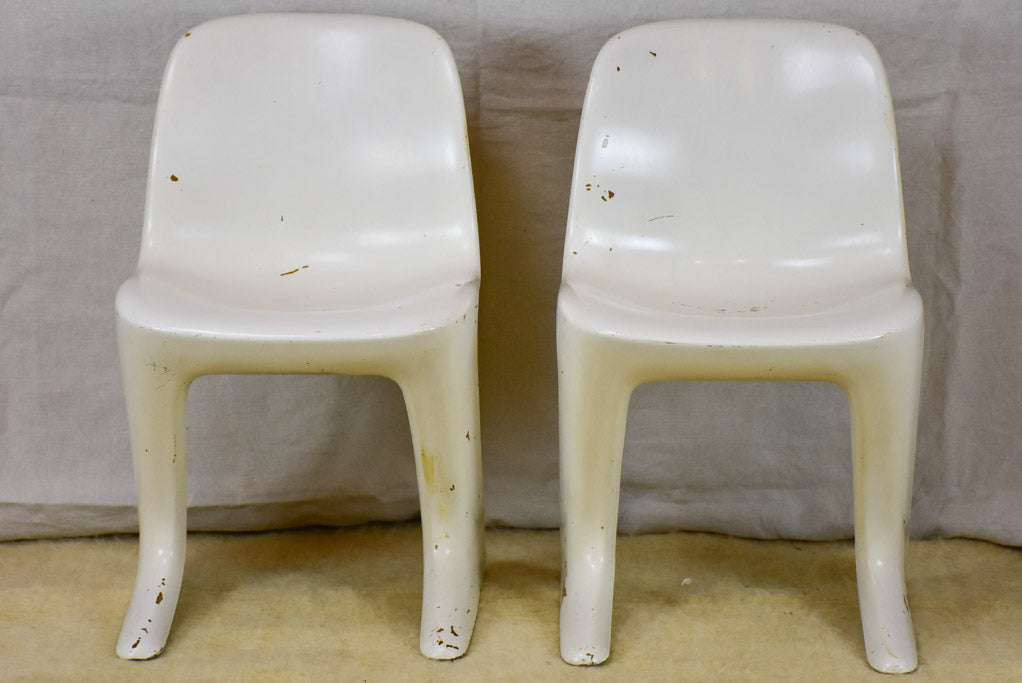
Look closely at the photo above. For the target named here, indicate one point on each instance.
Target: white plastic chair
(736, 214)
(310, 210)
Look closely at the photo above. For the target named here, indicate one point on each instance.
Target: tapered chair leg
(884, 404)
(593, 411)
(441, 397)
(156, 399)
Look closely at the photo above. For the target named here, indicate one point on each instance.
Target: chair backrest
(322, 152)
(730, 158)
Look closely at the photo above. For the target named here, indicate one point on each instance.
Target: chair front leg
(593, 408)
(156, 399)
(884, 407)
(441, 395)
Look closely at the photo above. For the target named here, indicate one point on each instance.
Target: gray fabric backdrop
(78, 88)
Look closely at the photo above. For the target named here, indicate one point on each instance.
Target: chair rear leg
(156, 399)
(884, 409)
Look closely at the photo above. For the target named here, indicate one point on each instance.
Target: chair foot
(149, 618)
(447, 638)
(889, 637)
(586, 620)
(887, 660)
(449, 607)
(452, 576)
(586, 655)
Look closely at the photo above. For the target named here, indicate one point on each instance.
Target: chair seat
(152, 303)
(826, 318)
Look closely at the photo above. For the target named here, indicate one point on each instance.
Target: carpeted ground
(343, 604)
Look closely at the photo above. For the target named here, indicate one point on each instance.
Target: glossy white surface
(310, 210)
(736, 213)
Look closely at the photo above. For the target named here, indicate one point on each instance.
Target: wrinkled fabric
(78, 88)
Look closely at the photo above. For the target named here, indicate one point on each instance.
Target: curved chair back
(730, 159)
(336, 199)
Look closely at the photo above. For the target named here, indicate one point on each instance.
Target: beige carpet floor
(344, 605)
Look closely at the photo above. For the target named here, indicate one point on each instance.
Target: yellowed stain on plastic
(429, 468)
